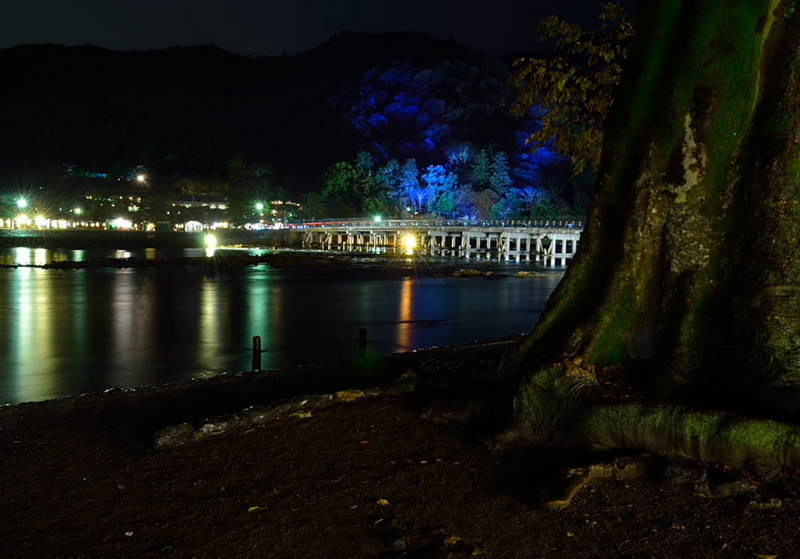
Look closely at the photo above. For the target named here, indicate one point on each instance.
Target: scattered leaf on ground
(451, 541)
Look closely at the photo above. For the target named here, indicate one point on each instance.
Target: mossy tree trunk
(684, 298)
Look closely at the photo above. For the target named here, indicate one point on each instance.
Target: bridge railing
(404, 223)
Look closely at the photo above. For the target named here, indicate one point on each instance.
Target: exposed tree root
(565, 405)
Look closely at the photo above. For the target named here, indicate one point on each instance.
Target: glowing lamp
(122, 223)
(409, 242)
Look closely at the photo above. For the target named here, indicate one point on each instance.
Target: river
(67, 332)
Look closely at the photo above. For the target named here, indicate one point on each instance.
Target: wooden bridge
(553, 242)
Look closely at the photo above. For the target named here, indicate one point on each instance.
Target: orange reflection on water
(406, 314)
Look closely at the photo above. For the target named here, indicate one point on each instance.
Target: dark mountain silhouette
(187, 110)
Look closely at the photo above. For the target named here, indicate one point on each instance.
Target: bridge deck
(551, 241)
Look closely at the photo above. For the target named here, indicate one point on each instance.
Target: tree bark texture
(686, 288)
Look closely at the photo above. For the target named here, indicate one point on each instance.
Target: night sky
(274, 27)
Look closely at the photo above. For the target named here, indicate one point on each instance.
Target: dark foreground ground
(386, 476)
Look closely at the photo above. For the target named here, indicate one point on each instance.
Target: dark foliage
(188, 111)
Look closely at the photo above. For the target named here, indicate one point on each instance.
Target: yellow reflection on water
(32, 336)
(209, 322)
(20, 343)
(19, 255)
(40, 256)
(123, 315)
(132, 324)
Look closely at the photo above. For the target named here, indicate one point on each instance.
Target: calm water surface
(76, 331)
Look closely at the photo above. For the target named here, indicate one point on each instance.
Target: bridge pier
(561, 249)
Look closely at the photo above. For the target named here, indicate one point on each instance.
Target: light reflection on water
(69, 332)
(40, 256)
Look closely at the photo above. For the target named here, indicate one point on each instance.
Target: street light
(22, 203)
(409, 243)
(210, 242)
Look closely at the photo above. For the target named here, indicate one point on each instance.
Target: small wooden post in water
(256, 353)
